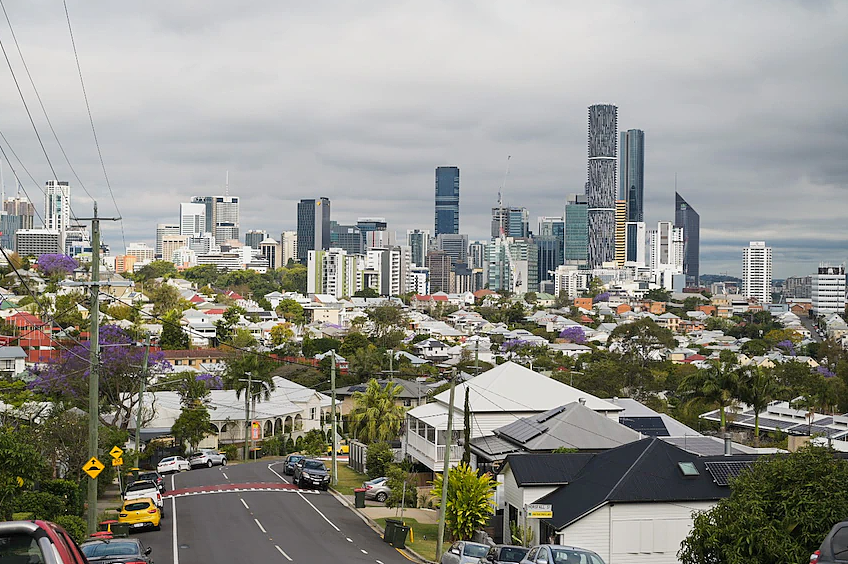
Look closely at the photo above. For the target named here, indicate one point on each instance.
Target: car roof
(511, 546)
(567, 547)
(111, 541)
(143, 483)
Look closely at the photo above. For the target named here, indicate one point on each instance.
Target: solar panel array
(722, 472)
(650, 426)
(523, 430)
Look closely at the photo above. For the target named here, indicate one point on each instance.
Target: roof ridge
(649, 446)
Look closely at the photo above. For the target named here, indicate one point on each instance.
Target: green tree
(294, 278)
(778, 511)
(757, 387)
(20, 462)
(719, 384)
(173, 337)
(466, 443)
(225, 327)
(281, 334)
(314, 443)
(387, 324)
(156, 269)
(403, 488)
(291, 311)
(192, 425)
(164, 297)
(366, 293)
(596, 287)
(378, 457)
(365, 363)
(658, 295)
(353, 341)
(67, 313)
(376, 416)
(470, 500)
(640, 340)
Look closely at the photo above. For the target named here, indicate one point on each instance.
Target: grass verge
(349, 479)
(423, 537)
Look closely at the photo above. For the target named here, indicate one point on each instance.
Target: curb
(374, 525)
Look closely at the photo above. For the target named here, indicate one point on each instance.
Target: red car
(38, 541)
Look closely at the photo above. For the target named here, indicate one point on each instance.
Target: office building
(21, 206)
(635, 234)
(125, 263)
(347, 237)
(9, 225)
(255, 236)
(550, 252)
(77, 240)
(666, 248)
(208, 203)
(386, 270)
(828, 291)
(576, 230)
(226, 220)
(57, 208)
(798, 287)
(193, 219)
(288, 245)
(515, 222)
(203, 244)
(272, 252)
(600, 189)
(369, 225)
(170, 243)
(631, 172)
(418, 241)
(455, 245)
(332, 272)
(163, 230)
(688, 219)
(37, 242)
(439, 264)
(513, 265)
(620, 232)
(756, 271)
(141, 251)
(477, 255)
(447, 200)
(313, 227)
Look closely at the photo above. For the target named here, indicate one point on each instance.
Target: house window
(312, 411)
(224, 430)
(407, 403)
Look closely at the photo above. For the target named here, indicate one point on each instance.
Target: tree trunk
(757, 429)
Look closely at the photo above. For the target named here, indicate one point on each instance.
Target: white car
(173, 464)
(206, 457)
(145, 488)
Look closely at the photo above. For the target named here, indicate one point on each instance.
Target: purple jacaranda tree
(573, 334)
(66, 378)
(604, 297)
(825, 371)
(56, 264)
(788, 347)
(212, 381)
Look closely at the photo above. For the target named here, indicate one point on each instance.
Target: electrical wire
(6, 158)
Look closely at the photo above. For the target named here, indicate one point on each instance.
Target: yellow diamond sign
(93, 467)
(116, 452)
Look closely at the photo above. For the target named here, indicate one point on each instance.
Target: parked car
(834, 547)
(291, 462)
(154, 477)
(206, 457)
(501, 553)
(558, 554)
(378, 489)
(172, 464)
(117, 551)
(140, 513)
(37, 541)
(465, 552)
(143, 489)
(343, 448)
(312, 473)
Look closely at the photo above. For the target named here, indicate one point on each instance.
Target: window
(839, 544)
(312, 411)
(543, 556)
(407, 403)
(688, 469)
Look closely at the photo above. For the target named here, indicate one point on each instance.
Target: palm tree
(758, 387)
(718, 383)
(377, 416)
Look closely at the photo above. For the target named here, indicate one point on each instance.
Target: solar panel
(523, 430)
(722, 472)
(650, 426)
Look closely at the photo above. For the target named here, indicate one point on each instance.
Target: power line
(91, 120)
(6, 158)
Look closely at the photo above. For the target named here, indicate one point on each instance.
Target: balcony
(430, 454)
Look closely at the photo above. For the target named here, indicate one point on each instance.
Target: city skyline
(731, 127)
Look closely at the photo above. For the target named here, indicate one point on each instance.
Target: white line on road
(319, 512)
(378, 562)
(283, 553)
(277, 473)
(261, 528)
(363, 551)
(224, 475)
(174, 528)
(349, 539)
(243, 502)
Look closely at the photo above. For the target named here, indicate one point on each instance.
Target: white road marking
(349, 539)
(378, 562)
(363, 551)
(261, 528)
(243, 502)
(283, 553)
(224, 475)
(319, 512)
(277, 473)
(174, 527)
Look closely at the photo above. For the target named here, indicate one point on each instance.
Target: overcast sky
(359, 101)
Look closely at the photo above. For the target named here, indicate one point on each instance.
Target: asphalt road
(260, 518)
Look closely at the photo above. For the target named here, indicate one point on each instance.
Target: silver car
(378, 489)
(465, 552)
(558, 554)
(206, 457)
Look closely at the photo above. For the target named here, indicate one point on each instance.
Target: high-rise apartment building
(313, 227)
(21, 206)
(193, 219)
(37, 242)
(255, 236)
(829, 290)
(631, 171)
(439, 265)
(333, 272)
(576, 221)
(513, 265)
(477, 255)
(418, 241)
(620, 232)
(288, 244)
(635, 244)
(57, 206)
(163, 230)
(347, 237)
(226, 219)
(374, 232)
(447, 200)
(756, 271)
(686, 218)
(666, 248)
(169, 245)
(454, 245)
(141, 251)
(601, 189)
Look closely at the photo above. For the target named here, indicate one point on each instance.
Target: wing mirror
(454, 551)
(147, 551)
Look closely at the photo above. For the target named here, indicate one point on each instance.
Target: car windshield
(136, 506)
(148, 476)
(19, 547)
(476, 550)
(512, 554)
(565, 556)
(111, 548)
(140, 485)
(196, 454)
(314, 465)
(296, 458)
(167, 460)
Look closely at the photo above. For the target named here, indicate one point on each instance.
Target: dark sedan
(116, 551)
(291, 462)
(501, 553)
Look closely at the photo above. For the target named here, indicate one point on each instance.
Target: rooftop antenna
(500, 196)
(675, 183)
(227, 184)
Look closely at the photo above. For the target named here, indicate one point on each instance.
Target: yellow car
(344, 448)
(140, 513)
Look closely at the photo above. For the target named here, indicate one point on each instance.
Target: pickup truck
(145, 488)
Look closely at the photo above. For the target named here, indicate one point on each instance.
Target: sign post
(540, 511)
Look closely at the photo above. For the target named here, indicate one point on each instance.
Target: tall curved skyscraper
(601, 188)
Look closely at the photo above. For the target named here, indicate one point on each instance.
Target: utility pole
(446, 467)
(141, 400)
(335, 476)
(94, 359)
(247, 424)
(477, 357)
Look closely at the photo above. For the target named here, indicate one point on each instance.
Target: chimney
(728, 446)
(582, 401)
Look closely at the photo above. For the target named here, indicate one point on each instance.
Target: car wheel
(381, 497)
(209, 464)
(223, 462)
(157, 527)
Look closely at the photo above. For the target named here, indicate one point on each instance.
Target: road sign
(20, 482)
(540, 511)
(254, 430)
(116, 452)
(117, 462)
(93, 467)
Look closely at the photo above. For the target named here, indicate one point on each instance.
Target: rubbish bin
(105, 525)
(359, 498)
(399, 536)
(120, 529)
(391, 525)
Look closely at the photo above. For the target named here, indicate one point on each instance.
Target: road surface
(249, 513)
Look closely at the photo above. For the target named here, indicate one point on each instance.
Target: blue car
(291, 462)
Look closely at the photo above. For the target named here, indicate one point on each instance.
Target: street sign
(254, 430)
(93, 467)
(540, 511)
(116, 452)
(117, 462)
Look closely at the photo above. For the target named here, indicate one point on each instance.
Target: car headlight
(306, 475)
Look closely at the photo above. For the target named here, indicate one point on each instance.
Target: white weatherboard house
(497, 397)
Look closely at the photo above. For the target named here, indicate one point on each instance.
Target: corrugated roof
(546, 469)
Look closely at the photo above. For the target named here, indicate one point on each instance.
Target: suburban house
(412, 394)
(195, 358)
(12, 361)
(497, 397)
(631, 504)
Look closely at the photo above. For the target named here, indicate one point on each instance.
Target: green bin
(391, 525)
(359, 498)
(399, 536)
(120, 529)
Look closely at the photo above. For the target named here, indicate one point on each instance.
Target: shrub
(377, 459)
(75, 525)
(274, 446)
(298, 444)
(42, 505)
(313, 443)
(289, 444)
(398, 476)
(231, 452)
(69, 491)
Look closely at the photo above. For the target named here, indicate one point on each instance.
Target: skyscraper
(514, 221)
(600, 190)
(635, 244)
(226, 220)
(688, 219)
(57, 206)
(576, 230)
(193, 219)
(756, 271)
(551, 245)
(374, 232)
(347, 237)
(255, 236)
(288, 244)
(208, 203)
(313, 227)
(447, 200)
(454, 245)
(20, 205)
(828, 291)
(163, 230)
(620, 232)
(418, 241)
(631, 185)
